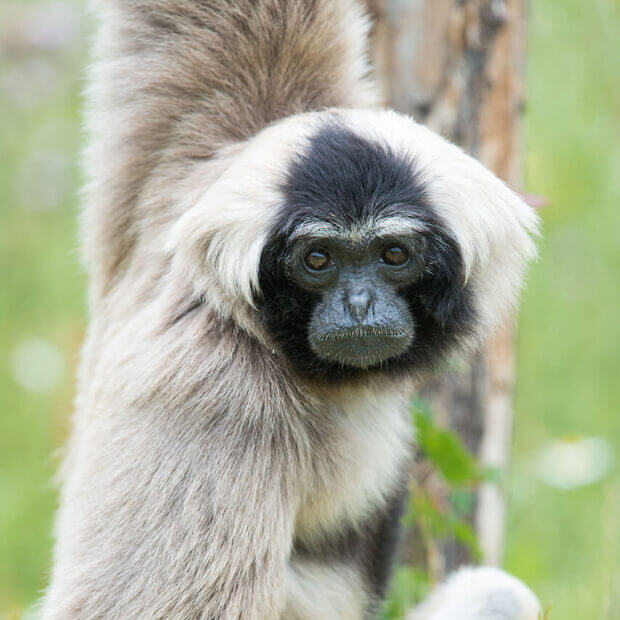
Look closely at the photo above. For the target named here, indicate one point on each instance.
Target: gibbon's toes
(483, 593)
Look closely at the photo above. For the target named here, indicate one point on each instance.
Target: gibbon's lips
(361, 346)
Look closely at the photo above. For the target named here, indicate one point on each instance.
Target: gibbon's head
(357, 240)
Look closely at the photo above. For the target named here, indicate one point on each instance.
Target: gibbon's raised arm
(175, 503)
(174, 81)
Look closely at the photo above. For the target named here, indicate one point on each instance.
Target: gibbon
(274, 262)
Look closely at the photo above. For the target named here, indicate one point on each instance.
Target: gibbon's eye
(317, 260)
(394, 255)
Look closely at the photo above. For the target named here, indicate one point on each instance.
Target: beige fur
(364, 457)
(197, 456)
(318, 591)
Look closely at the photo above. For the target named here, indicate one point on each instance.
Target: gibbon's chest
(358, 466)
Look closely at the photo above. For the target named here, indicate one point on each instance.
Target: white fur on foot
(483, 593)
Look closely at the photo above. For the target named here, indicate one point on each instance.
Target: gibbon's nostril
(359, 303)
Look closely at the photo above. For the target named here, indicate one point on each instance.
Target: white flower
(37, 365)
(571, 462)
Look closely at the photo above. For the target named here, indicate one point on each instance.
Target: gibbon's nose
(359, 303)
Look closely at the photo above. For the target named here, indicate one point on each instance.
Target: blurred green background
(563, 537)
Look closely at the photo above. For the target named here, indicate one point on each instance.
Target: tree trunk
(457, 66)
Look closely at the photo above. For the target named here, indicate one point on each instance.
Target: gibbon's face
(359, 272)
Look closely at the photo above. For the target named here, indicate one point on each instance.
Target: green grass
(566, 543)
(42, 296)
(563, 543)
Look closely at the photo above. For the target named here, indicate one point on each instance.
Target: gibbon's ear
(217, 243)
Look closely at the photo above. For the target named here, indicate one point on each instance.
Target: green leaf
(446, 451)
(409, 586)
(440, 523)
(462, 501)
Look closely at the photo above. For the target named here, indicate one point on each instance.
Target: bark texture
(457, 66)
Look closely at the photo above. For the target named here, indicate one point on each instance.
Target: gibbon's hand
(483, 593)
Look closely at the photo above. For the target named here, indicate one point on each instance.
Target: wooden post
(457, 66)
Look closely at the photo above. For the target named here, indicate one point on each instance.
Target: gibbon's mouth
(361, 346)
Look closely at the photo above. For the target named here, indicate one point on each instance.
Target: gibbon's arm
(174, 81)
(176, 509)
(198, 537)
(175, 503)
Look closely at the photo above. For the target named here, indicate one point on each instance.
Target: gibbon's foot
(483, 593)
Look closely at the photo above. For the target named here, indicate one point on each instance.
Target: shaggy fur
(209, 473)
